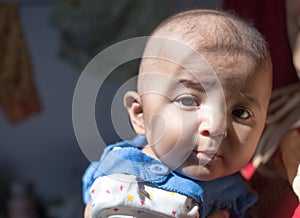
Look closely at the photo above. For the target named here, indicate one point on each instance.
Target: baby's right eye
(188, 101)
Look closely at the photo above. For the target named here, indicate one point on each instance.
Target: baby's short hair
(214, 31)
(208, 32)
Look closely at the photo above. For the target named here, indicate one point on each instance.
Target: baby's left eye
(241, 113)
(188, 101)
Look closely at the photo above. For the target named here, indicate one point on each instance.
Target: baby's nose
(212, 130)
(213, 123)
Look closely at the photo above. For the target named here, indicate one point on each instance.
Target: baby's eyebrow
(197, 86)
(251, 99)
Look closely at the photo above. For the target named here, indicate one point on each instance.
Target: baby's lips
(208, 154)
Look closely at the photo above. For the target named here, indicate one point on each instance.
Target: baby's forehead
(219, 62)
(216, 67)
(171, 68)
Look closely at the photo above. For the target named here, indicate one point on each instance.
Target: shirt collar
(126, 159)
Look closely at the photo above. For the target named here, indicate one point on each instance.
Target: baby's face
(195, 127)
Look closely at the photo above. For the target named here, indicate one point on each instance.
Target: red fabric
(277, 199)
(297, 212)
(268, 16)
(285, 207)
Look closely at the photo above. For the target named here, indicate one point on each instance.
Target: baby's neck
(149, 151)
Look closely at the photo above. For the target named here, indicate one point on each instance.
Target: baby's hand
(290, 152)
(87, 210)
(296, 183)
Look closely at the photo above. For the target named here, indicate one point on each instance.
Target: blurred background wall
(41, 148)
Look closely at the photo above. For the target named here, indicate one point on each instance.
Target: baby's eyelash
(241, 113)
(187, 101)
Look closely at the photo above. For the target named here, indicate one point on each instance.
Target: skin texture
(204, 123)
(87, 211)
(287, 157)
(207, 140)
(290, 147)
(191, 110)
(202, 130)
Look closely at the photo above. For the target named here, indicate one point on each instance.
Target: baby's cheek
(165, 129)
(157, 128)
(242, 133)
(245, 143)
(179, 136)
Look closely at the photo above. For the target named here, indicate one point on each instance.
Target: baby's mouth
(207, 155)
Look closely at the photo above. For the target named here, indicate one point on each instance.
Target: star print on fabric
(174, 212)
(143, 192)
(142, 203)
(173, 193)
(93, 191)
(129, 198)
(121, 187)
(116, 209)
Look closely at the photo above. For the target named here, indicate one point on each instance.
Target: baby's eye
(188, 101)
(241, 113)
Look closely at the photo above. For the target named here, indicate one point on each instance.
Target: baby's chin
(200, 174)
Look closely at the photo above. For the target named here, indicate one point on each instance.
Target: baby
(203, 91)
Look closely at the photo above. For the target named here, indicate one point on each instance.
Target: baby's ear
(133, 104)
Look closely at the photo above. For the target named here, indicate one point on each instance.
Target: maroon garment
(269, 17)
